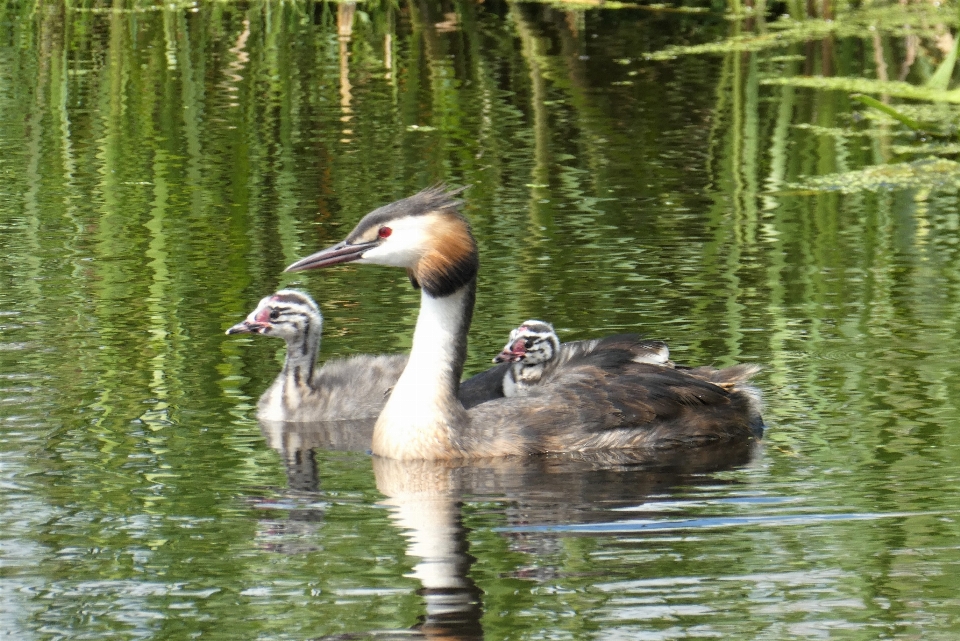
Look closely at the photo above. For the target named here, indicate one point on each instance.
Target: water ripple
(643, 525)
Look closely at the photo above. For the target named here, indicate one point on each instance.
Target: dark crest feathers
(431, 199)
(293, 297)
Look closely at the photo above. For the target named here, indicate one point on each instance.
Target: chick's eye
(274, 314)
(384, 232)
(528, 343)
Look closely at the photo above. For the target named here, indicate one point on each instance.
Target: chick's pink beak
(252, 324)
(512, 353)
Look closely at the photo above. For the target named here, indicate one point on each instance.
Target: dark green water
(159, 168)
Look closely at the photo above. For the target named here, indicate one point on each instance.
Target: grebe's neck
(294, 383)
(423, 412)
(301, 358)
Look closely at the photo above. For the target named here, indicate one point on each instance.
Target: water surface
(159, 166)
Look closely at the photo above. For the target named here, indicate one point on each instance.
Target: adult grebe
(600, 399)
(342, 389)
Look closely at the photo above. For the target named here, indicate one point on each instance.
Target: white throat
(416, 421)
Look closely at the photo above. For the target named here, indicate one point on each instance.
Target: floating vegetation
(568, 5)
(786, 58)
(920, 14)
(937, 173)
(929, 149)
(890, 20)
(139, 9)
(751, 42)
(888, 110)
(666, 8)
(892, 88)
(936, 120)
(928, 112)
(842, 132)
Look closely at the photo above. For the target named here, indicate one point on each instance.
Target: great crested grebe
(600, 399)
(342, 389)
(534, 352)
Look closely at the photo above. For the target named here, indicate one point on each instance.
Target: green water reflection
(160, 165)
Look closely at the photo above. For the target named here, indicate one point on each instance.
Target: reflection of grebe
(602, 399)
(425, 500)
(342, 389)
(424, 503)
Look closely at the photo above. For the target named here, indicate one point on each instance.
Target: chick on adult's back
(535, 353)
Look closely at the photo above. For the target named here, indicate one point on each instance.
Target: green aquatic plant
(936, 120)
(895, 19)
(923, 78)
(580, 5)
(888, 110)
(848, 84)
(935, 173)
(928, 149)
(842, 132)
(940, 80)
(747, 42)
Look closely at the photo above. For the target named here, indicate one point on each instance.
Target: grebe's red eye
(384, 232)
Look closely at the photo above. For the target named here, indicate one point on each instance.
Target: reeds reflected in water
(161, 165)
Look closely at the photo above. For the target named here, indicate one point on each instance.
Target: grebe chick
(342, 389)
(530, 348)
(534, 351)
(599, 398)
